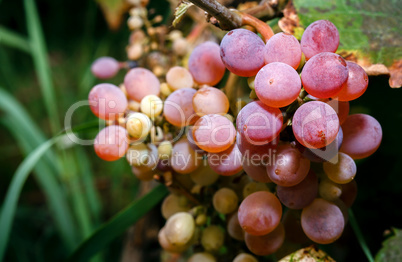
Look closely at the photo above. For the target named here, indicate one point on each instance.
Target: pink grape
(289, 166)
(105, 67)
(111, 143)
(356, 84)
(242, 52)
(107, 101)
(320, 36)
(283, 47)
(184, 159)
(322, 221)
(315, 124)
(300, 195)
(205, 64)
(178, 107)
(257, 172)
(227, 162)
(362, 135)
(234, 229)
(214, 133)
(259, 123)
(140, 82)
(260, 213)
(266, 244)
(277, 84)
(324, 75)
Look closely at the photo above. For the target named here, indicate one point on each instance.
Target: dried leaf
(396, 74)
(290, 23)
(308, 254)
(180, 11)
(113, 10)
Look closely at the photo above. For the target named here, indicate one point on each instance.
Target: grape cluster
(281, 164)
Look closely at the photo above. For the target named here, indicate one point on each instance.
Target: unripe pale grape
(166, 245)
(210, 100)
(225, 200)
(111, 143)
(173, 204)
(202, 257)
(253, 187)
(165, 149)
(184, 159)
(329, 190)
(138, 125)
(179, 77)
(342, 171)
(244, 257)
(212, 238)
(204, 175)
(179, 228)
(107, 101)
(151, 105)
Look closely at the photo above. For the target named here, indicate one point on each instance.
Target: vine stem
(231, 19)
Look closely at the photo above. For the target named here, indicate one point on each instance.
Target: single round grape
(362, 135)
(242, 52)
(322, 221)
(178, 108)
(212, 238)
(142, 173)
(226, 163)
(166, 245)
(111, 143)
(260, 213)
(105, 67)
(143, 156)
(320, 36)
(204, 175)
(202, 257)
(138, 125)
(184, 159)
(205, 64)
(180, 46)
(210, 100)
(140, 82)
(283, 47)
(179, 229)
(289, 167)
(173, 204)
(356, 84)
(258, 123)
(323, 154)
(349, 193)
(266, 244)
(107, 101)
(179, 77)
(329, 190)
(225, 200)
(244, 257)
(315, 124)
(253, 187)
(165, 149)
(277, 84)
(343, 171)
(324, 75)
(214, 133)
(151, 105)
(300, 195)
(234, 229)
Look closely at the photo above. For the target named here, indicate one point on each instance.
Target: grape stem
(228, 19)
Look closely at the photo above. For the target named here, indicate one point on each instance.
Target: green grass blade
(359, 235)
(11, 199)
(42, 67)
(12, 39)
(118, 224)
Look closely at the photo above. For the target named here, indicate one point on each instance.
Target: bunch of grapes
(278, 164)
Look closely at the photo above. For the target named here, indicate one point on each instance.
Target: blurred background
(71, 191)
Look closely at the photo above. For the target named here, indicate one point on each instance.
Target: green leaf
(11, 199)
(12, 39)
(369, 30)
(118, 224)
(180, 11)
(391, 250)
